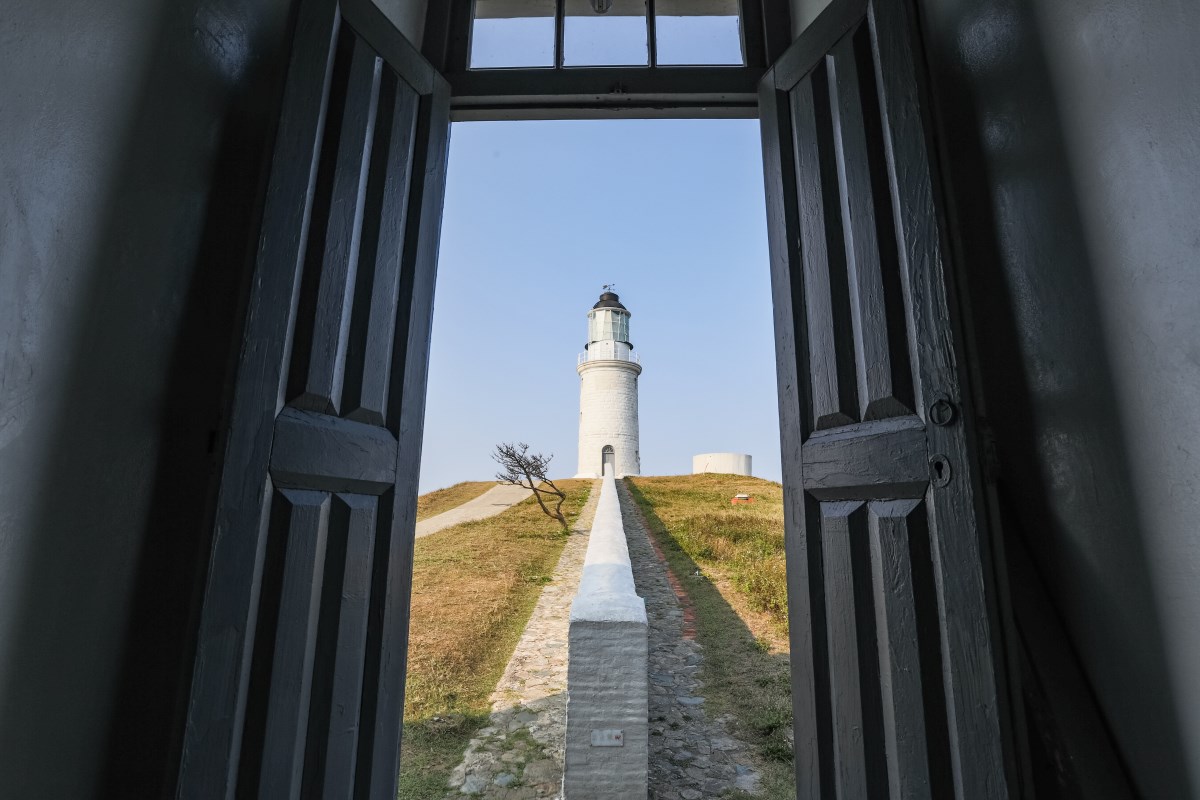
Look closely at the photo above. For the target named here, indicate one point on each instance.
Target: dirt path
(488, 504)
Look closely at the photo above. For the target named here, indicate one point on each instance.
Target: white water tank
(723, 463)
(608, 401)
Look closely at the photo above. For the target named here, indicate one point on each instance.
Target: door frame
(685, 94)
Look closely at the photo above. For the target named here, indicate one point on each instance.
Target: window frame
(562, 92)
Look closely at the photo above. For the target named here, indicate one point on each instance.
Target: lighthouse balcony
(599, 353)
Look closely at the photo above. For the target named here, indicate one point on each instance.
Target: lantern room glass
(606, 324)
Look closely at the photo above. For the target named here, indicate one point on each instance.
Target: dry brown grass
(474, 587)
(433, 503)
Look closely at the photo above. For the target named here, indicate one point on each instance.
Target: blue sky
(538, 216)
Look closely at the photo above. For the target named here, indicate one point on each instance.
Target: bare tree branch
(519, 467)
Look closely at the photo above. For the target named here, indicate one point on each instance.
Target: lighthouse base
(597, 475)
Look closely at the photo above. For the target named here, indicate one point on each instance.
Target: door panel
(896, 670)
(299, 674)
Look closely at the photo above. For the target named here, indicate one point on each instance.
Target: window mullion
(560, 26)
(651, 34)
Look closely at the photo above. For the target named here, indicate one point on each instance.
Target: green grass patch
(474, 588)
(743, 542)
(707, 541)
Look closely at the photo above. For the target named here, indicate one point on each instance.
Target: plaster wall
(804, 12)
(607, 670)
(608, 416)
(408, 16)
(1070, 135)
(132, 143)
(723, 463)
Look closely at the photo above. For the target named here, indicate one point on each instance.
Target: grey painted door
(610, 461)
(298, 682)
(896, 649)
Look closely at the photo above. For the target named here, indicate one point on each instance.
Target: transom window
(591, 59)
(605, 33)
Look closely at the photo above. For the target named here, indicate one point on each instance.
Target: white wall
(722, 463)
(607, 683)
(608, 416)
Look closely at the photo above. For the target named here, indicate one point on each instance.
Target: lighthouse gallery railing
(599, 353)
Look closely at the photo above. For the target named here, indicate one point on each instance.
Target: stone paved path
(519, 755)
(691, 756)
(488, 504)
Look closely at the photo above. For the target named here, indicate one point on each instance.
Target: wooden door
(896, 658)
(298, 683)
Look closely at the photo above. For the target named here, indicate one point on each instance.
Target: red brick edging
(681, 595)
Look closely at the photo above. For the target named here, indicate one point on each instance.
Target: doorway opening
(541, 219)
(866, 356)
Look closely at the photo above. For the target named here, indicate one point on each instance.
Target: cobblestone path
(519, 755)
(691, 756)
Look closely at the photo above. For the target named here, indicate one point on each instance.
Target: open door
(298, 683)
(897, 662)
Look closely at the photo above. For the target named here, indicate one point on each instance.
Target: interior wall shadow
(122, 521)
(1047, 383)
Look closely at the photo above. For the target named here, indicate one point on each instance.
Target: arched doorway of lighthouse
(608, 457)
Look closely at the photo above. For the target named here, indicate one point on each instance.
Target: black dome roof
(610, 300)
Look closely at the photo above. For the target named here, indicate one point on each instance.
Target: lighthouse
(608, 394)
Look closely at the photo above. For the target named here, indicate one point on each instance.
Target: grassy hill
(468, 612)
(729, 560)
(742, 544)
(474, 588)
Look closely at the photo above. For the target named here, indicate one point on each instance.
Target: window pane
(513, 33)
(616, 37)
(698, 32)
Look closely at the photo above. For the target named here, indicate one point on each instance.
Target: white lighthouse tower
(608, 400)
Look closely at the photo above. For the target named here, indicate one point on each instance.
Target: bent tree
(519, 467)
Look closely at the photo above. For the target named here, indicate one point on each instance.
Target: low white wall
(607, 683)
(724, 463)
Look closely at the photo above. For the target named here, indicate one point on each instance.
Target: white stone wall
(608, 416)
(608, 740)
(724, 463)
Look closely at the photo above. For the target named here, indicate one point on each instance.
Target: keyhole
(939, 470)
